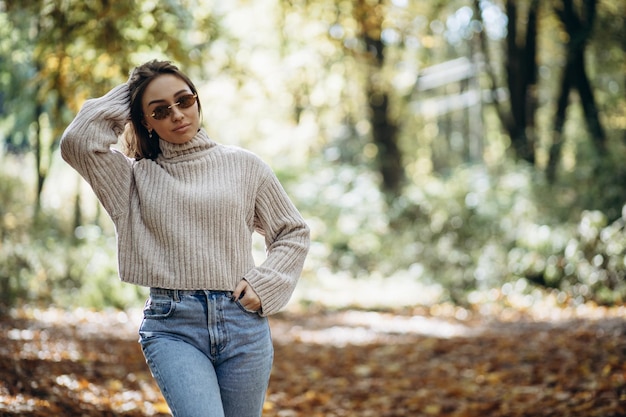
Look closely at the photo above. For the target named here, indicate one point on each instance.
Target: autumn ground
(440, 361)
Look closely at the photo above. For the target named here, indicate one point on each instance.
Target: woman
(184, 210)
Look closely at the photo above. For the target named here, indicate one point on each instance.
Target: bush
(589, 265)
(475, 230)
(43, 261)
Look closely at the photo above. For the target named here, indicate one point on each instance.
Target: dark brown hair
(137, 141)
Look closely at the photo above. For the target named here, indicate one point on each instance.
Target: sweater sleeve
(287, 240)
(87, 143)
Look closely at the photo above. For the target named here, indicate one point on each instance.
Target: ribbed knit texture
(185, 220)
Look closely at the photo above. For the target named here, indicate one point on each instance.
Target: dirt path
(334, 363)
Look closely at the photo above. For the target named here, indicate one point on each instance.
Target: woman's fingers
(247, 297)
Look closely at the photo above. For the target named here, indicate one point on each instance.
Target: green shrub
(472, 231)
(44, 261)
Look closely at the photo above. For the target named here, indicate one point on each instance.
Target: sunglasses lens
(160, 112)
(187, 101)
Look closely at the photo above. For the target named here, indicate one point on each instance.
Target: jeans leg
(185, 376)
(244, 367)
(173, 334)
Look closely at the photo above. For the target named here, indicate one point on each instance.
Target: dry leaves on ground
(334, 363)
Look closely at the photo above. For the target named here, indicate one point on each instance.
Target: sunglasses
(184, 102)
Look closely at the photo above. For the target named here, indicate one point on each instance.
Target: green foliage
(54, 55)
(475, 230)
(585, 260)
(42, 263)
(90, 273)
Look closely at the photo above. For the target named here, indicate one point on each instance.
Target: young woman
(184, 209)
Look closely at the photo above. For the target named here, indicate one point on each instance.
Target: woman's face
(163, 105)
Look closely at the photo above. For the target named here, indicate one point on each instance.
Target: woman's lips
(182, 128)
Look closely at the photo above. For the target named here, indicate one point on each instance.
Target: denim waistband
(176, 294)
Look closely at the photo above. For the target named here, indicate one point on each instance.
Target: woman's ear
(145, 124)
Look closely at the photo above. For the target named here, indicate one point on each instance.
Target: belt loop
(176, 295)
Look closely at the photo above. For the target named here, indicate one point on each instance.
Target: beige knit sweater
(185, 220)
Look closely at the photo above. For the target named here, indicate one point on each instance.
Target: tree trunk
(587, 99)
(384, 136)
(559, 122)
(38, 158)
(521, 72)
(575, 76)
(521, 68)
(384, 130)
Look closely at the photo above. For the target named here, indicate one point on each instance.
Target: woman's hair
(137, 141)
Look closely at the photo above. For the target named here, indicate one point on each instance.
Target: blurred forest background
(458, 151)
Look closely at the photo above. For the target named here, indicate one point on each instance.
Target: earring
(150, 134)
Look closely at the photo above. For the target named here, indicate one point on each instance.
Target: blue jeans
(209, 356)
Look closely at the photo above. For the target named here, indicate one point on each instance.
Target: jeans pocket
(245, 310)
(159, 307)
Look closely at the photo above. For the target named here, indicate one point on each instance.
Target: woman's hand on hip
(247, 297)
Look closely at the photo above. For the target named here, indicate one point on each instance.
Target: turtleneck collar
(198, 145)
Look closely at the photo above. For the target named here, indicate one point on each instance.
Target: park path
(411, 362)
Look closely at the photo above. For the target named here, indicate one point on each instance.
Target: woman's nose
(177, 113)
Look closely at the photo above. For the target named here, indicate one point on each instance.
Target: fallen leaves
(334, 363)
(574, 367)
(73, 363)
